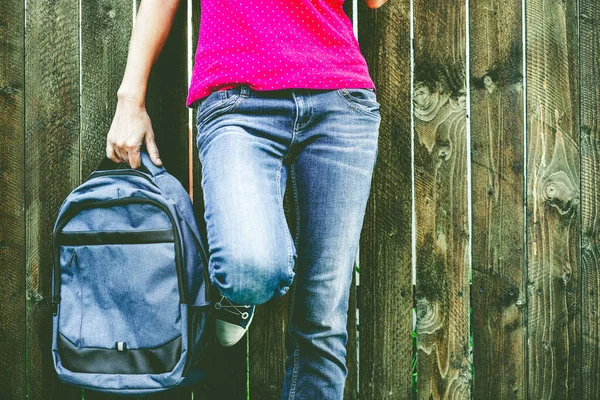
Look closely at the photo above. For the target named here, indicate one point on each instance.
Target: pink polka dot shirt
(276, 44)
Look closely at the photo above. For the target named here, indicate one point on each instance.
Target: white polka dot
(312, 45)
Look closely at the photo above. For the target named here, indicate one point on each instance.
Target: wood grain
(535, 298)
(267, 351)
(589, 53)
(105, 28)
(351, 386)
(165, 99)
(497, 190)
(267, 337)
(52, 168)
(553, 201)
(228, 365)
(385, 295)
(441, 200)
(13, 360)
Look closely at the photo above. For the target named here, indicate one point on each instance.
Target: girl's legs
(331, 175)
(326, 141)
(250, 247)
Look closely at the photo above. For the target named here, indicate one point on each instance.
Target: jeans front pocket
(361, 99)
(216, 103)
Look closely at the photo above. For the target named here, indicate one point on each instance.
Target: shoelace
(230, 307)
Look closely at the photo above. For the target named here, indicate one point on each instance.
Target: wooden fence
(489, 187)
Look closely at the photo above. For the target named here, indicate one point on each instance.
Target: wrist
(131, 97)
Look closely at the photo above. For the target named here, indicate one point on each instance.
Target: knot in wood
(559, 192)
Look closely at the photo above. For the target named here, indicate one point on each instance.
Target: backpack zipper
(108, 203)
(134, 172)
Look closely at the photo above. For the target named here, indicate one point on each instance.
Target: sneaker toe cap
(228, 334)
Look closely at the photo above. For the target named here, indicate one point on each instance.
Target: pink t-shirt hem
(276, 45)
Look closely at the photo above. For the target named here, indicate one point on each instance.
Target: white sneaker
(232, 321)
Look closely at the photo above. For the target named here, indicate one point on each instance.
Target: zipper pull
(72, 258)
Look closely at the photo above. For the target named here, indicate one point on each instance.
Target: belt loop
(244, 90)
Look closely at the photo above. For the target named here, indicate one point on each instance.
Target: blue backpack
(130, 283)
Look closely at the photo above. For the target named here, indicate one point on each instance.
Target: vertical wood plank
(52, 165)
(228, 378)
(267, 353)
(385, 295)
(497, 166)
(105, 30)
(589, 52)
(12, 217)
(441, 200)
(351, 387)
(106, 33)
(166, 96)
(553, 200)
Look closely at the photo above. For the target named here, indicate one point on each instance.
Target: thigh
(332, 174)
(250, 246)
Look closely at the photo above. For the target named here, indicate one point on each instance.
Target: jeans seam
(310, 118)
(280, 199)
(294, 372)
(296, 204)
(293, 294)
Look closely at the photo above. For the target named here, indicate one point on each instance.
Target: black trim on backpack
(79, 238)
(155, 360)
(71, 212)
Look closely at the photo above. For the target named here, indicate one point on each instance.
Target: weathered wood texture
(228, 365)
(497, 192)
(267, 337)
(52, 161)
(589, 68)
(351, 388)
(553, 200)
(105, 29)
(385, 295)
(12, 206)
(267, 353)
(165, 99)
(535, 192)
(442, 287)
(165, 104)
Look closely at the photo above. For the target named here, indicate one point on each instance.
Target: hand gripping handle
(147, 164)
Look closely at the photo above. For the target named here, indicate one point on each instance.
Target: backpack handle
(154, 169)
(147, 164)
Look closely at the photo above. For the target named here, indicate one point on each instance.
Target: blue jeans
(250, 142)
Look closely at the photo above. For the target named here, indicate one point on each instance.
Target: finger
(153, 150)
(121, 151)
(111, 154)
(133, 154)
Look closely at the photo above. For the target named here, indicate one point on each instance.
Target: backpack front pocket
(119, 310)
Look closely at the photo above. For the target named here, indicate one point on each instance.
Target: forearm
(152, 25)
(373, 4)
